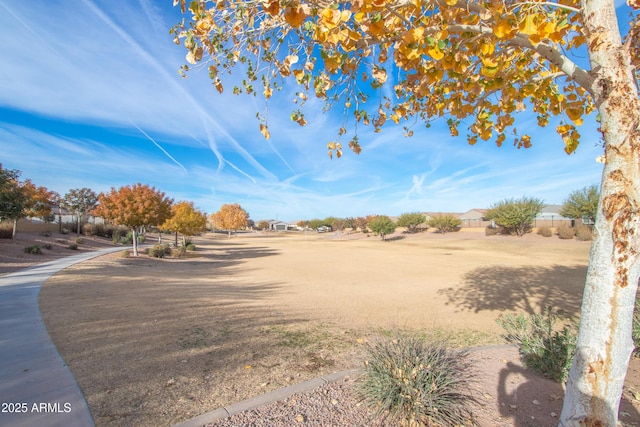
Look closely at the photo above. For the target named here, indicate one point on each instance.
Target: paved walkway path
(36, 386)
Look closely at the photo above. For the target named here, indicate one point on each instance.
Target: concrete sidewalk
(36, 386)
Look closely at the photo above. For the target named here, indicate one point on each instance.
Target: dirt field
(157, 341)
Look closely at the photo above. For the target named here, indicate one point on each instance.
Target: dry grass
(156, 341)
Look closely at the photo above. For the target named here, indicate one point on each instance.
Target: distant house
(281, 226)
(474, 218)
(550, 217)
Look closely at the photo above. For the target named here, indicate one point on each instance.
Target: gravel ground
(333, 404)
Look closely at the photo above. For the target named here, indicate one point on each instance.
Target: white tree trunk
(135, 241)
(594, 387)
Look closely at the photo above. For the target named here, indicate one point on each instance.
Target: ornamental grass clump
(410, 381)
(547, 341)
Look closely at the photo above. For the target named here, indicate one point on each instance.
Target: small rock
(300, 418)
(334, 402)
(553, 414)
(535, 402)
(171, 382)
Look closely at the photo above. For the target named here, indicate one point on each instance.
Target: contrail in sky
(158, 145)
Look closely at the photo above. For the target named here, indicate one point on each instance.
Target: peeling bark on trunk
(594, 387)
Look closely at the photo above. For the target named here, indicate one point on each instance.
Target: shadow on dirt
(527, 289)
(538, 401)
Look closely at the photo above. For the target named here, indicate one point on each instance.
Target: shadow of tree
(533, 401)
(526, 289)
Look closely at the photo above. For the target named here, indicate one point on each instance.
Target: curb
(264, 399)
(282, 393)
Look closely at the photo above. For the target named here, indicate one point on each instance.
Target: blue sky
(90, 96)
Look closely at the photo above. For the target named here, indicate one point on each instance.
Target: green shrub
(73, 246)
(491, 231)
(566, 232)
(444, 223)
(545, 232)
(78, 240)
(159, 251)
(544, 346)
(190, 247)
(584, 233)
(48, 246)
(46, 234)
(33, 250)
(412, 381)
(124, 254)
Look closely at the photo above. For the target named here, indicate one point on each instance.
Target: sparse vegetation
(545, 231)
(159, 251)
(411, 381)
(546, 347)
(124, 254)
(33, 250)
(566, 232)
(491, 231)
(73, 246)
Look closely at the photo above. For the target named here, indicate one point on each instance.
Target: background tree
(80, 201)
(445, 223)
(411, 221)
(12, 198)
(186, 220)
(263, 225)
(315, 223)
(361, 223)
(582, 204)
(134, 206)
(382, 225)
(478, 64)
(302, 224)
(38, 201)
(230, 217)
(515, 216)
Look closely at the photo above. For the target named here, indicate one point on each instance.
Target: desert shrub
(545, 231)
(566, 232)
(70, 227)
(89, 229)
(46, 234)
(78, 240)
(159, 251)
(33, 250)
(124, 238)
(413, 381)
(444, 223)
(124, 254)
(73, 246)
(584, 233)
(544, 346)
(190, 247)
(6, 230)
(48, 246)
(491, 231)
